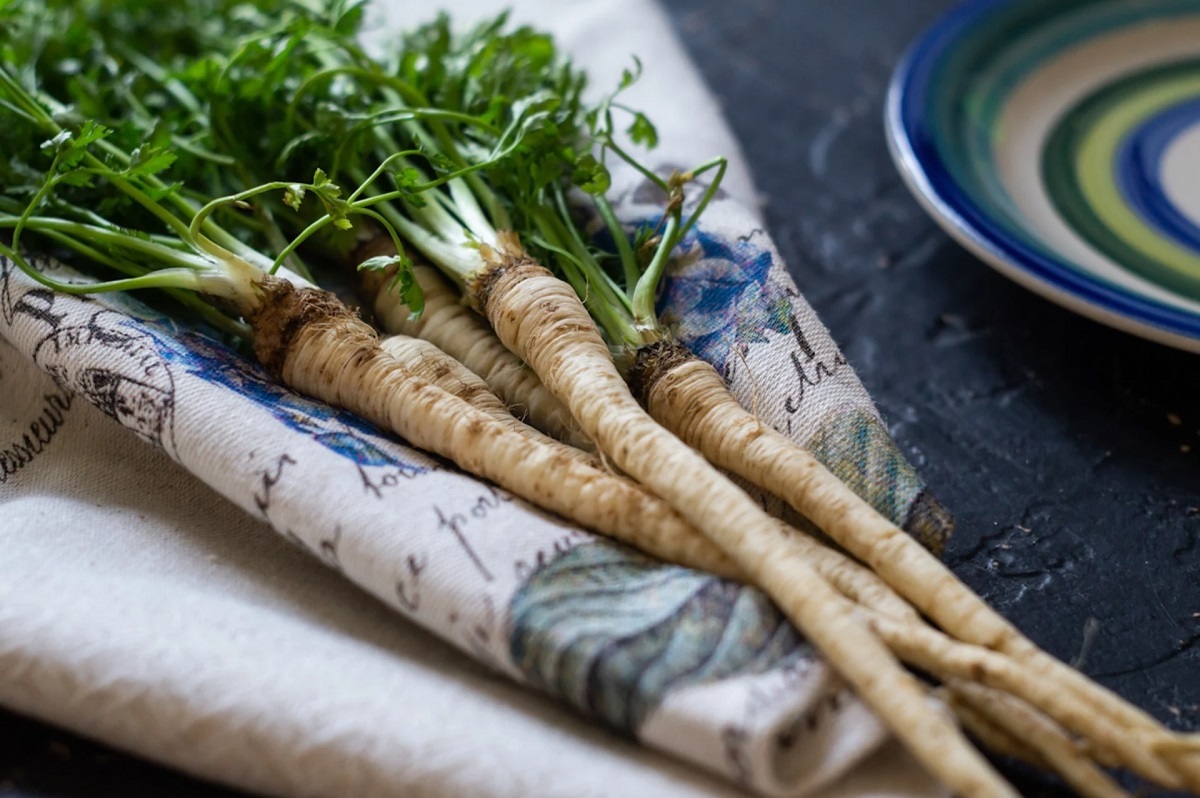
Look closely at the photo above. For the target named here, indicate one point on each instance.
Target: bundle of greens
(468, 150)
(95, 187)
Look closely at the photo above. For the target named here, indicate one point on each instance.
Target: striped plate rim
(953, 206)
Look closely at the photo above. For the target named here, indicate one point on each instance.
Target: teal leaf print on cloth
(856, 447)
(611, 631)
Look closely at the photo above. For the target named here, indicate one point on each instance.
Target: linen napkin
(138, 607)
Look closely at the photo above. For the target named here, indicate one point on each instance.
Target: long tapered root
(1187, 744)
(950, 659)
(1036, 738)
(1000, 719)
(691, 399)
(540, 319)
(317, 346)
(428, 362)
(850, 579)
(995, 736)
(454, 329)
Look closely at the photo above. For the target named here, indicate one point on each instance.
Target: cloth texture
(149, 597)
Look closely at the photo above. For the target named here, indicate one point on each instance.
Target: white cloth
(140, 607)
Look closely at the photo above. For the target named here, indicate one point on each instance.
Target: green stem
(181, 203)
(470, 212)
(26, 104)
(610, 292)
(397, 92)
(98, 221)
(456, 261)
(204, 310)
(154, 250)
(432, 217)
(644, 313)
(408, 191)
(629, 264)
(138, 196)
(367, 182)
(87, 251)
(608, 143)
(304, 235)
(720, 163)
(270, 229)
(606, 303)
(192, 233)
(606, 316)
(160, 76)
(387, 116)
(464, 198)
(332, 70)
(42, 192)
(165, 278)
(397, 244)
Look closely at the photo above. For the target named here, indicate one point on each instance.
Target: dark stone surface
(39, 761)
(1068, 451)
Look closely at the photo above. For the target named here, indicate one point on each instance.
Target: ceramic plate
(1060, 142)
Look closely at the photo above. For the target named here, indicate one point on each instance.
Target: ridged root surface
(692, 400)
(540, 318)
(317, 346)
(460, 333)
(430, 363)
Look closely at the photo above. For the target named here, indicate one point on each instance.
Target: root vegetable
(974, 664)
(691, 399)
(458, 227)
(540, 318)
(430, 363)
(453, 328)
(316, 345)
(1039, 740)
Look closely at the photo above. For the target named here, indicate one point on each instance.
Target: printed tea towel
(138, 606)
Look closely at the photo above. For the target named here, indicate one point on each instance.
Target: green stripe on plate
(1080, 177)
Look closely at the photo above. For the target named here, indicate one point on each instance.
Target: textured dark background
(1069, 452)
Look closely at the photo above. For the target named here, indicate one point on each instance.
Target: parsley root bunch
(468, 149)
(464, 226)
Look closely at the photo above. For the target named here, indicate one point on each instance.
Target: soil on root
(284, 312)
(651, 364)
(504, 270)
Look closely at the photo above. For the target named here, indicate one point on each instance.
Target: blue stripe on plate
(1139, 171)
